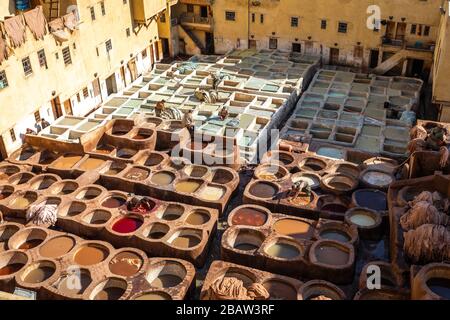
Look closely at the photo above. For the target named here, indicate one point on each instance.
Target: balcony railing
(410, 45)
(195, 19)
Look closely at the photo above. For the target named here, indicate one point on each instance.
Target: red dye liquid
(127, 225)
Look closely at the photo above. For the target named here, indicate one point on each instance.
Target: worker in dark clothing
(160, 107)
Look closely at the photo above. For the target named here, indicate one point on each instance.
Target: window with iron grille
(128, 32)
(261, 18)
(92, 9)
(342, 27)
(78, 97)
(102, 7)
(426, 31)
(3, 80)
(26, 63)
(323, 24)
(85, 92)
(144, 53)
(294, 22)
(42, 59)
(66, 56)
(162, 18)
(37, 116)
(108, 45)
(12, 133)
(413, 29)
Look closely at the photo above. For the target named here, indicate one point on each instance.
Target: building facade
(73, 71)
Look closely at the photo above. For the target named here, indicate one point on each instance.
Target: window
(27, 69)
(273, 43)
(56, 55)
(190, 8)
(162, 18)
(358, 53)
(97, 51)
(413, 28)
(342, 27)
(296, 47)
(85, 92)
(74, 46)
(426, 31)
(230, 15)
(66, 56)
(261, 18)
(323, 24)
(78, 97)
(92, 13)
(144, 53)
(42, 59)
(128, 32)
(294, 22)
(253, 17)
(124, 1)
(3, 80)
(12, 134)
(102, 7)
(37, 116)
(108, 45)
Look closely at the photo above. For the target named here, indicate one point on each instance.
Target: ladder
(53, 9)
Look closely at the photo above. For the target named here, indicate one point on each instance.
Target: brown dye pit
(137, 174)
(5, 234)
(126, 264)
(440, 286)
(188, 186)
(249, 217)
(331, 255)
(158, 231)
(126, 153)
(142, 136)
(110, 293)
(162, 178)
(26, 154)
(294, 228)
(313, 165)
(153, 160)
(197, 218)
(280, 290)
(114, 202)
(30, 244)
(263, 190)
(246, 246)
(38, 275)
(68, 286)
(57, 247)
(10, 269)
(90, 255)
(282, 250)
(186, 241)
(5, 194)
(173, 212)
(336, 235)
(166, 281)
(66, 162)
(92, 164)
(154, 296)
(303, 199)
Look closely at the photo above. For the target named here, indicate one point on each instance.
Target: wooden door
(334, 56)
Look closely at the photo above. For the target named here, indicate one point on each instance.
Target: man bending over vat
(435, 140)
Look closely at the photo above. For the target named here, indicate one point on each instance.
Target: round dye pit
(222, 176)
(157, 231)
(313, 180)
(294, 228)
(196, 171)
(271, 172)
(111, 289)
(339, 183)
(247, 240)
(362, 218)
(89, 193)
(320, 290)
(142, 135)
(186, 239)
(91, 164)
(284, 158)
(154, 296)
(153, 159)
(64, 188)
(42, 182)
(72, 209)
(137, 174)
(67, 285)
(248, 216)
(280, 290)
(211, 193)
(12, 262)
(377, 179)
(90, 254)
(312, 164)
(440, 287)
(127, 225)
(334, 207)
(372, 199)
(6, 232)
(188, 186)
(126, 153)
(168, 275)
(263, 190)
(10, 269)
(198, 218)
(66, 162)
(38, 272)
(126, 264)
(163, 178)
(56, 247)
(331, 255)
(114, 202)
(282, 250)
(335, 234)
(97, 217)
(21, 178)
(172, 212)
(22, 202)
(5, 192)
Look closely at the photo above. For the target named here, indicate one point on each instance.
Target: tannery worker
(44, 123)
(223, 114)
(434, 139)
(188, 121)
(160, 107)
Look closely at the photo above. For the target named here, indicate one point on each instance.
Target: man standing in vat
(188, 121)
